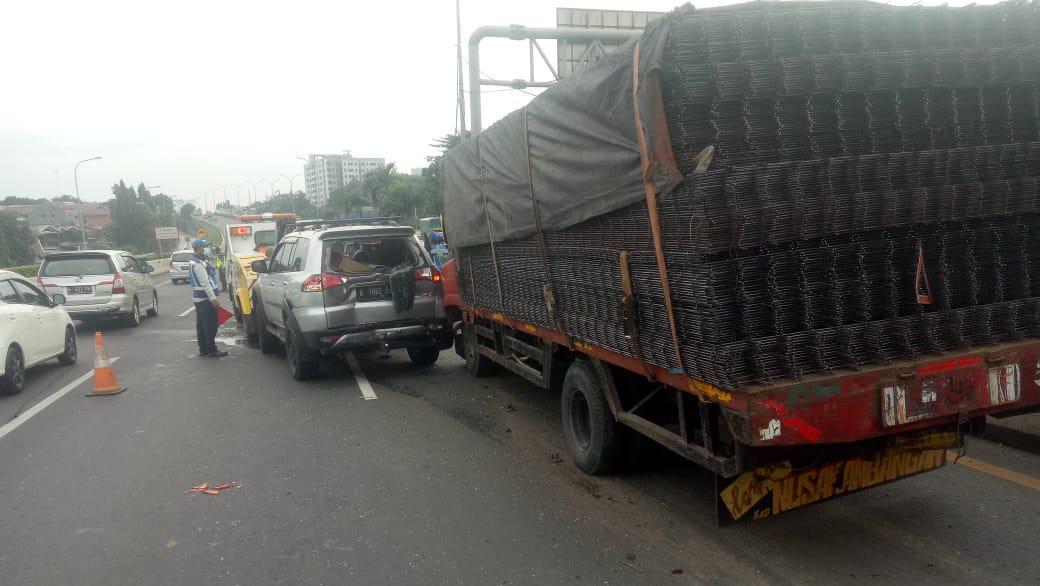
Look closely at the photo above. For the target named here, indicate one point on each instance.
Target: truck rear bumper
(895, 398)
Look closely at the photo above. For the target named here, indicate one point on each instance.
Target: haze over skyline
(193, 96)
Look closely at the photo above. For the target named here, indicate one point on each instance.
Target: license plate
(83, 290)
(373, 293)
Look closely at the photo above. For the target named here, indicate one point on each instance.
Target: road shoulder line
(31, 411)
(366, 388)
(994, 470)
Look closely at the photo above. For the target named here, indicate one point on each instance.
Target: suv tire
(266, 340)
(301, 367)
(423, 356)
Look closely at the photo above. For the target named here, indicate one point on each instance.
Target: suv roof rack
(320, 224)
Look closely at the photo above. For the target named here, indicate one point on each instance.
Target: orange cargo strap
(651, 205)
(547, 289)
(924, 295)
(629, 312)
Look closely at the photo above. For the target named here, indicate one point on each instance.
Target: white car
(179, 265)
(32, 329)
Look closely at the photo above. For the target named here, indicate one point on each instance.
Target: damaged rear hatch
(378, 277)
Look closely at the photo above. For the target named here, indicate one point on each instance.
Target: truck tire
(589, 428)
(423, 356)
(477, 364)
(266, 340)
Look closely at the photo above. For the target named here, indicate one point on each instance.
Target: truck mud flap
(770, 490)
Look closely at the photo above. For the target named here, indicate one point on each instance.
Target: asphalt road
(441, 479)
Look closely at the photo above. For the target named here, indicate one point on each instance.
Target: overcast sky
(193, 95)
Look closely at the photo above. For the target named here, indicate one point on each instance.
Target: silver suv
(341, 286)
(100, 284)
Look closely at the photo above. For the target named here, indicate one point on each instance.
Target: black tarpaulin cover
(574, 149)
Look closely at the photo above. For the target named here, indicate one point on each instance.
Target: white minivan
(33, 328)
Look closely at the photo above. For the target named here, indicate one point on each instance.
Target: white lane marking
(164, 283)
(187, 311)
(28, 414)
(362, 380)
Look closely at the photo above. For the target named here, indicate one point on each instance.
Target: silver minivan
(100, 284)
(356, 287)
(179, 265)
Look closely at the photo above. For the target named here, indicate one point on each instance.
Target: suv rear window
(71, 266)
(362, 256)
(182, 256)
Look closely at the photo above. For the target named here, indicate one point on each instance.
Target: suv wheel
(266, 340)
(133, 319)
(13, 381)
(423, 356)
(300, 366)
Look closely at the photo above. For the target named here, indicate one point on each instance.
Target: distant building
(48, 213)
(20, 211)
(96, 215)
(323, 174)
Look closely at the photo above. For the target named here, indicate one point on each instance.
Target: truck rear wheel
(477, 364)
(589, 428)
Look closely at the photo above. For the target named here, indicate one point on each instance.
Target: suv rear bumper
(430, 334)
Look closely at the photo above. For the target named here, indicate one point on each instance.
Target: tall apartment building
(323, 174)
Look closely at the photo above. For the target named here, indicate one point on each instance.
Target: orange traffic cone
(104, 377)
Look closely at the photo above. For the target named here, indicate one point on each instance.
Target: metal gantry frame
(518, 32)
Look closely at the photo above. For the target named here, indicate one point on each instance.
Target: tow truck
(244, 242)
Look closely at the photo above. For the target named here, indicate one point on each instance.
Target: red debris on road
(204, 488)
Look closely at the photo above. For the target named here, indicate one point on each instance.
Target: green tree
(443, 144)
(164, 209)
(145, 196)
(377, 183)
(187, 210)
(16, 242)
(133, 222)
(14, 200)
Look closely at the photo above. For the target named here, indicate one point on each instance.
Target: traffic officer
(206, 302)
(219, 260)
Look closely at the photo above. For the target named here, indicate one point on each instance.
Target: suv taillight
(117, 285)
(318, 283)
(427, 274)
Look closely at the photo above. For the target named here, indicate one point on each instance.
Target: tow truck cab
(244, 242)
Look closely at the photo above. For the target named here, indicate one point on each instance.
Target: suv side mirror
(58, 299)
(258, 266)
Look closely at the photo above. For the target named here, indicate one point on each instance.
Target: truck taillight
(318, 283)
(117, 284)
(427, 274)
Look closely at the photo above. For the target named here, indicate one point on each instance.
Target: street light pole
(75, 179)
(292, 195)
